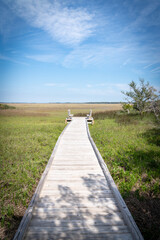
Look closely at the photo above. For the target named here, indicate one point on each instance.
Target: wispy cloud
(153, 67)
(56, 84)
(5, 58)
(145, 13)
(143, 17)
(65, 24)
(126, 62)
(42, 58)
(6, 21)
(149, 65)
(88, 85)
(157, 69)
(93, 55)
(108, 85)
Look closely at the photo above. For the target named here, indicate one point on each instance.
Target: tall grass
(26, 144)
(130, 147)
(28, 133)
(128, 144)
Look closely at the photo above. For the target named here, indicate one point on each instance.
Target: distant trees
(143, 98)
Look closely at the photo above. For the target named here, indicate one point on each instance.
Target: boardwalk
(76, 198)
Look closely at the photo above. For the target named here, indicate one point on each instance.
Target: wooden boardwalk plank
(78, 236)
(81, 228)
(77, 192)
(106, 218)
(89, 210)
(75, 221)
(75, 199)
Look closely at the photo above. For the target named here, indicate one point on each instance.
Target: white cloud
(2, 57)
(157, 69)
(149, 65)
(42, 58)
(88, 85)
(93, 55)
(55, 84)
(153, 68)
(67, 25)
(111, 86)
(144, 18)
(126, 62)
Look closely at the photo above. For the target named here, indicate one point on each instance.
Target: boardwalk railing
(89, 118)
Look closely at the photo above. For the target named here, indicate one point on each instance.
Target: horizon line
(114, 102)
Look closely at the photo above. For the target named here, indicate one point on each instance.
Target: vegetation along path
(76, 197)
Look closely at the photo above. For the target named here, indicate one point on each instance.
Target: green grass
(26, 144)
(130, 147)
(128, 144)
(28, 133)
(5, 106)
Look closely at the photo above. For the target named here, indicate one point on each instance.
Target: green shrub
(5, 106)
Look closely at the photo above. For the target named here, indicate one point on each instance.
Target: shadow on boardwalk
(70, 214)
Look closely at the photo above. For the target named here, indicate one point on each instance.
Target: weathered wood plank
(50, 211)
(75, 167)
(78, 236)
(72, 186)
(64, 223)
(114, 218)
(76, 205)
(77, 222)
(57, 196)
(100, 200)
(72, 177)
(74, 142)
(77, 192)
(76, 147)
(85, 229)
(73, 162)
(82, 157)
(72, 153)
(94, 173)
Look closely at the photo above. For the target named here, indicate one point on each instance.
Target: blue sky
(77, 51)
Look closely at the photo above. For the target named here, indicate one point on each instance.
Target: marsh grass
(28, 133)
(26, 144)
(129, 145)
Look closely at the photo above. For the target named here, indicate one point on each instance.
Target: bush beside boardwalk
(130, 147)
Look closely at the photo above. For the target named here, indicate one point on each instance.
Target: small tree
(142, 96)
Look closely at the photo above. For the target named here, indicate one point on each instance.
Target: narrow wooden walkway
(76, 198)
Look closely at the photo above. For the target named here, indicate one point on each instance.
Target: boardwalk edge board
(28, 213)
(122, 205)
